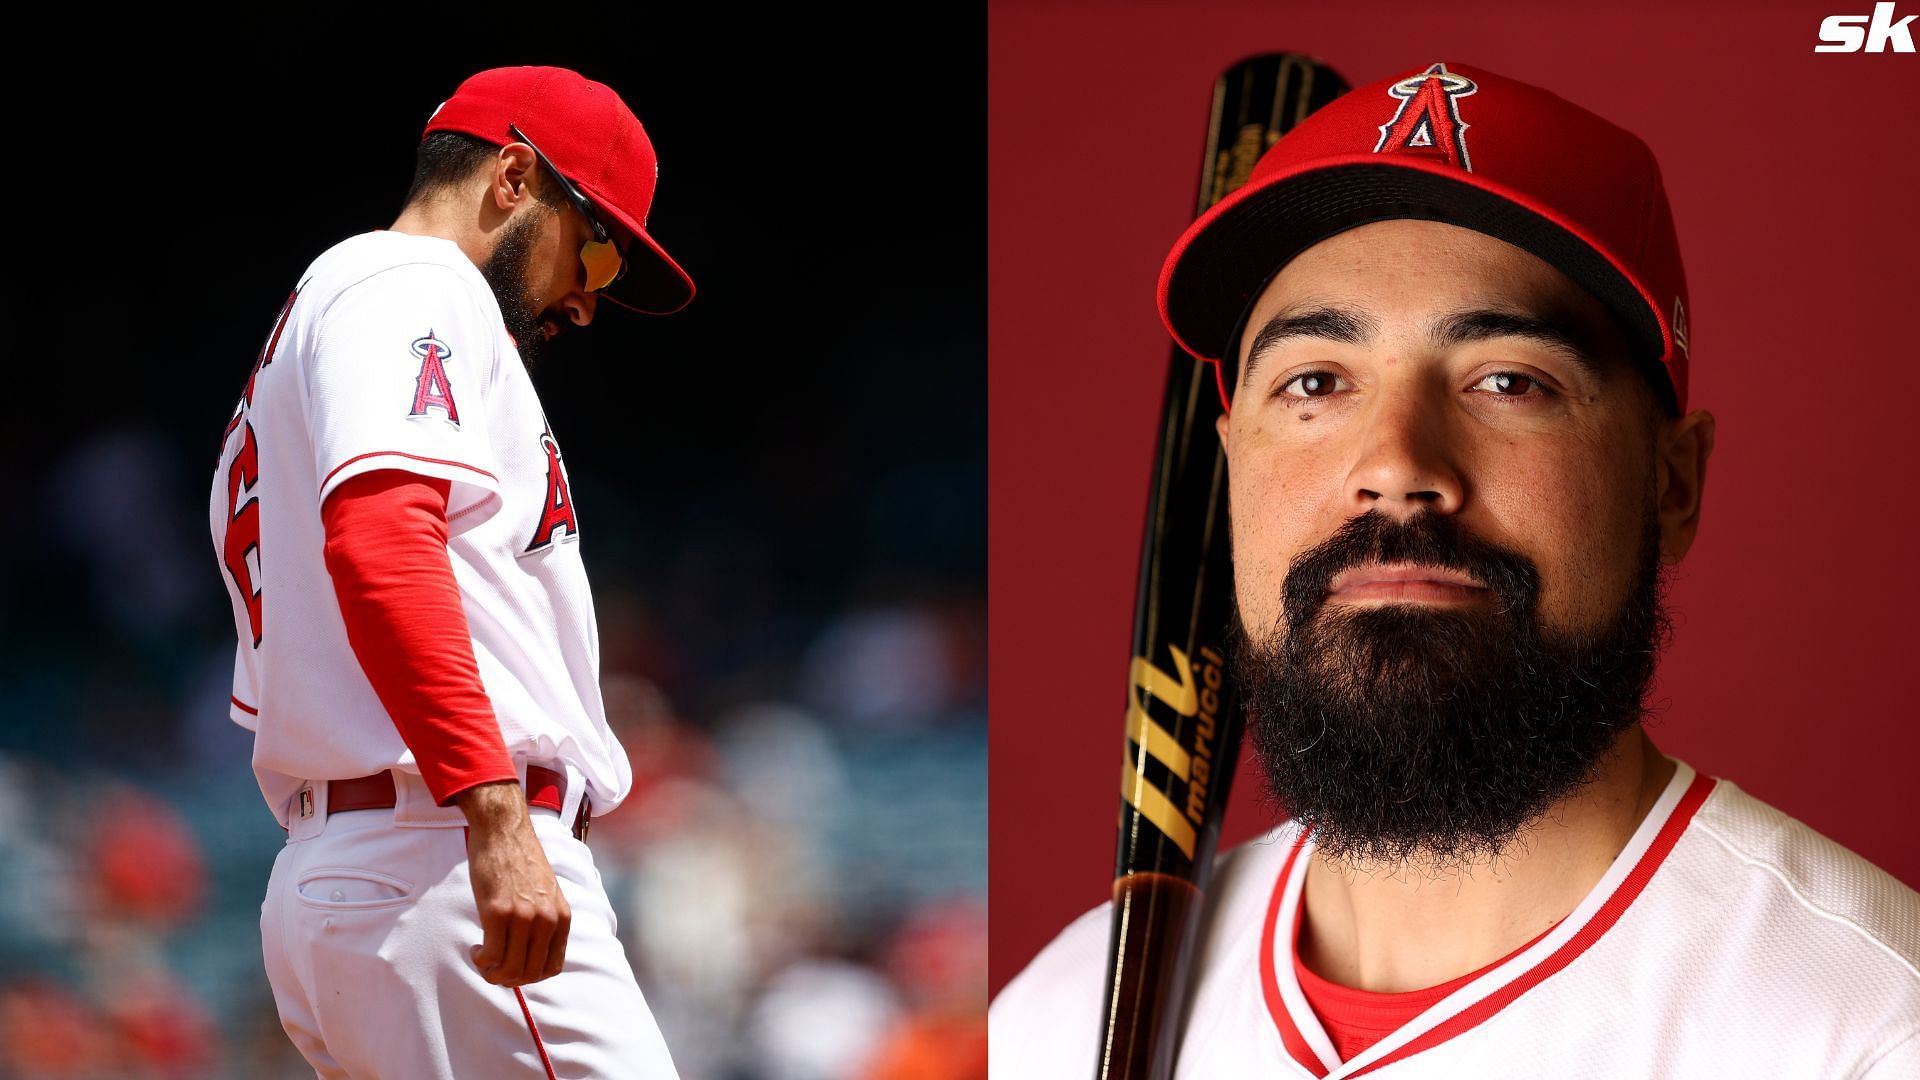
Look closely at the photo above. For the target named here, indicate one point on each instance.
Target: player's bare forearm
(524, 918)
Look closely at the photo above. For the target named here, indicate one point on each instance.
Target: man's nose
(1407, 461)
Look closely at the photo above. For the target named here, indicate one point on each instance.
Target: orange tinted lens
(602, 262)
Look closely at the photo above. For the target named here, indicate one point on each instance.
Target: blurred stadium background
(781, 494)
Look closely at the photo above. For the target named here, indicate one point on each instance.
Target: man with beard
(417, 651)
(1448, 312)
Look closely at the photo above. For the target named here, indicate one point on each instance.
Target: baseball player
(417, 654)
(1450, 323)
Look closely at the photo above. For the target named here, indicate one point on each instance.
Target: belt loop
(414, 806)
(570, 801)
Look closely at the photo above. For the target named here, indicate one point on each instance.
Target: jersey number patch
(240, 547)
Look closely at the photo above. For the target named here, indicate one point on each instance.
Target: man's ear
(1680, 463)
(509, 182)
(1220, 425)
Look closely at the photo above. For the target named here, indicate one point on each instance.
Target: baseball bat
(1183, 722)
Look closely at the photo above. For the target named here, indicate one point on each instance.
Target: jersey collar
(1307, 1043)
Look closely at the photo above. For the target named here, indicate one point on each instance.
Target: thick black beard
(506, 273)
(1405, 733)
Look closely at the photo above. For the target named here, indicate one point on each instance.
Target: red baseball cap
(1451, 143)
(596, 142)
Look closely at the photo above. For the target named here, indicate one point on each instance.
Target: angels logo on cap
(1548, 176)
(1428, 120)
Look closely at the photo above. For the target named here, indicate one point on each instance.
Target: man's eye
(1511, 384)
(1312, 384)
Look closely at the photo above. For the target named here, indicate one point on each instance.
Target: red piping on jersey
(534, 1030)
(412, 457)
(1290, 1036)
(1484, 1009)
(250, 710)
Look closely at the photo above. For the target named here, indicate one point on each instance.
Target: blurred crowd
(799, 874)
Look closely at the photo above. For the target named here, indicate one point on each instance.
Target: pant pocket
(350, 888)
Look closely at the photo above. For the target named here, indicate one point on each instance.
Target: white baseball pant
(366, 927)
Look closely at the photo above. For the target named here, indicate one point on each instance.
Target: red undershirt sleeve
(386, 548)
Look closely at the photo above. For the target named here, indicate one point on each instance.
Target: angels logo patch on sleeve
(431, 388)
(398, 364)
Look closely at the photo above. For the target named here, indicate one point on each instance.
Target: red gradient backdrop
(1792, 177)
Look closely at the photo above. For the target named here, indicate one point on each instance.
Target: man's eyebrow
(1549, 332)
(1332, 324)
(1446, 331)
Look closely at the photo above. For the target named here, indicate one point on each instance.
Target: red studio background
(1792, 177)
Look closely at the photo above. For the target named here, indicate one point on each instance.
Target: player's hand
(524, 918)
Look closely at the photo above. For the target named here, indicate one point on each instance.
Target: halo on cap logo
(440, 347)
(1427, 122)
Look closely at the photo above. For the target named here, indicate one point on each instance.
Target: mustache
(1423, 539)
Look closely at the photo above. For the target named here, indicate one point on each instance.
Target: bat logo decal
(1192, 692)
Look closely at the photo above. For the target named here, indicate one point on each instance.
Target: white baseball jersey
(392, 354)
(1726, 940)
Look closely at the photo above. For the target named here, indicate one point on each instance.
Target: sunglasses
(599, 255)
